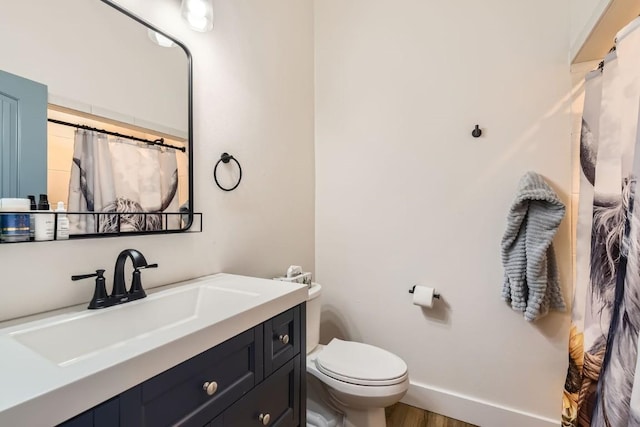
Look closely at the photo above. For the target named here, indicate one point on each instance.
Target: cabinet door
(281, 339)
(275, 402)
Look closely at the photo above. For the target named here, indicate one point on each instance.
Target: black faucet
(119, 294)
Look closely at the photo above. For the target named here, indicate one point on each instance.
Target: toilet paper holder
(413, 288)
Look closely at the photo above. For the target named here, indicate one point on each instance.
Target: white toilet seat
(360, 364)
(367, 391)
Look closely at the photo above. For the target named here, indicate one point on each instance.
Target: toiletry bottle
(45, 223)
(32, 218)
(14, 225)
(62, 226)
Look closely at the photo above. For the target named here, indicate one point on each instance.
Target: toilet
(348, 383)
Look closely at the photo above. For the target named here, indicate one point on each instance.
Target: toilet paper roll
(423, 296)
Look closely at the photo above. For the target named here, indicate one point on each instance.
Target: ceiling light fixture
(198, 13)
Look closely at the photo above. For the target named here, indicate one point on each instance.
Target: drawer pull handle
(284, 339)
(264, 419)
(210, 387)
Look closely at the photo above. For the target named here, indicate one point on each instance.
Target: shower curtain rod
(159, 142)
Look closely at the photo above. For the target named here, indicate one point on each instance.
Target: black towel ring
(225, 158)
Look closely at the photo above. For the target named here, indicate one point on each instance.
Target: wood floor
(401, 415)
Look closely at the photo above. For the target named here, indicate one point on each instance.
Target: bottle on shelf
(14, 225)
(45, 223)
(32, 218)
(62, 225)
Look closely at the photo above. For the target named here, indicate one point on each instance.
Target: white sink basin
(70, 340)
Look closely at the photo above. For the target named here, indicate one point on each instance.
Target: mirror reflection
(94, 112)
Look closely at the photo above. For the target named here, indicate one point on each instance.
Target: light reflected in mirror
(83, 62)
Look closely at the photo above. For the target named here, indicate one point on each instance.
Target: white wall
(405, 195)
(253, 97)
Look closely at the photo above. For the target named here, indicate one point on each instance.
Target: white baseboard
(471, 409)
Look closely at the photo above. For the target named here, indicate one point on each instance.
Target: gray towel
(531, 274)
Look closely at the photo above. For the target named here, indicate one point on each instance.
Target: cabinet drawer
(277, 397)
(178, 397)
(281, 339)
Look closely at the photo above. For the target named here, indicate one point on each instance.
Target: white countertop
(37, 391)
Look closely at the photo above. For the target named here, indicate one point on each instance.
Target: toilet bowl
(358, 380)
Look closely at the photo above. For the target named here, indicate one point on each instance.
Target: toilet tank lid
(360, 361)
(314, 291)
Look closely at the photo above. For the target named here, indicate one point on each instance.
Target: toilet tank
(313, 316)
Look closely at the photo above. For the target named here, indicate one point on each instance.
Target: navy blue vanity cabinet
(255, 378)
(216, 423)
(106, 414)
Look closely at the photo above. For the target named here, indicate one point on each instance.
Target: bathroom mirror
(95, 111)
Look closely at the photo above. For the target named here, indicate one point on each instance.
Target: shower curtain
(111, 174)
(603, 348)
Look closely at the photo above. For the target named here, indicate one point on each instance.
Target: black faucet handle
(148, 266)
(100, 299)
(98, 273)
(136, 291)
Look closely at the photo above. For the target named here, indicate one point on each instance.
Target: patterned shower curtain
(111, 174)
(603, 348)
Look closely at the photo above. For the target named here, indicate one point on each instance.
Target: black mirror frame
(190, 214)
